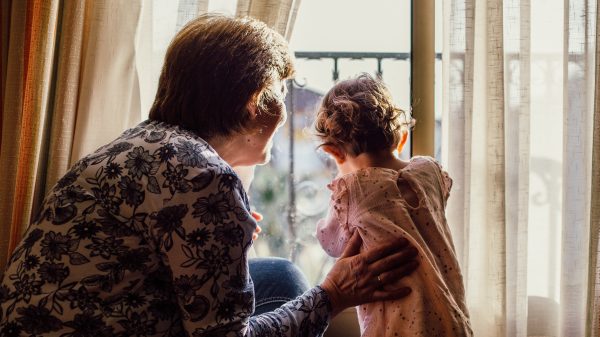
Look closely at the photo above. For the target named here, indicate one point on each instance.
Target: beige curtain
(277, 14)
(520, 142)
(68, 86)
(109, 94)
(593, 304)
(68, 65)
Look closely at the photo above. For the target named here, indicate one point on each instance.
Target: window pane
(322, 26)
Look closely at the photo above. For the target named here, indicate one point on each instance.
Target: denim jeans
(276, 281)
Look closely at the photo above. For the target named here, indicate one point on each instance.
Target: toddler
(384, 199)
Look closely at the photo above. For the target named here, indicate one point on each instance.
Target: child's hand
(258, 217)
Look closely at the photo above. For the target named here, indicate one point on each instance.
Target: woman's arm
(204, 235)
(307, 315)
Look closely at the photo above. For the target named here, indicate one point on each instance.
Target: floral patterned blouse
(147, 236)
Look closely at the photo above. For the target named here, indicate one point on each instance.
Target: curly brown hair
(212, 69)
(358, 115)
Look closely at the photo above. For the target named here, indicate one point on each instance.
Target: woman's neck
(228, 148)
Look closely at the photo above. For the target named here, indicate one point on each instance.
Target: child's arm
(333, 232)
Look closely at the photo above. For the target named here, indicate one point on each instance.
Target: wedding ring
(379, 278)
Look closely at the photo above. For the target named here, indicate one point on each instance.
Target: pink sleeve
(333, 232)
(446, 181)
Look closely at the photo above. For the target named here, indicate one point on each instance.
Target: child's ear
(338, 154)
(403, 139)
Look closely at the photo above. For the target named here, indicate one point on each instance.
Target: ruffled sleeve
(445, 180)
(333, 232)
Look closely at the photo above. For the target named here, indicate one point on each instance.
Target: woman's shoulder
(158, 157)
(171, 143)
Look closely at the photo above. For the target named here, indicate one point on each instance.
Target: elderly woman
(149, 235)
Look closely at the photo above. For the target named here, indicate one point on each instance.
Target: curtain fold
(4, 27)
(66, 93)
(277, 14)
(576, 173)
(109, 95)
(517, 51)
(189, 9)
(520, 135)
(69, 85)
(28, 70)
(593, 300)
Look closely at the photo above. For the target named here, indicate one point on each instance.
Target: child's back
(384, 199)
(383, 205)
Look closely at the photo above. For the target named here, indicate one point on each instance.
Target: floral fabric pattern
(147, 236)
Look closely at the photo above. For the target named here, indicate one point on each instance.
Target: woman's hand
(369, 276)
(258, 217)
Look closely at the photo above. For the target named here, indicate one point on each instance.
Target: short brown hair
(212, 68)
(358, 114)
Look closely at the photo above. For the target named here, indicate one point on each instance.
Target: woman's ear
(403, 139)
(336, 152)
(252, 105)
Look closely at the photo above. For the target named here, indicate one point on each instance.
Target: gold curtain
(69, 85)
(30, 43)
(593, 304)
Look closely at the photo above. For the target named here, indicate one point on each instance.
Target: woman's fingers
(257, 216)
(398, 273)
(374, 275)
(353, 246)
(383, 295)
(383, 251)
(394, 260)
(257, 231)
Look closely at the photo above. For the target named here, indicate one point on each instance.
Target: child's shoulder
(424, 159)
(427, 169)
(424, 162)
(366, 180)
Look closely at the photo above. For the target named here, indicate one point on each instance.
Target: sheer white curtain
(519, 139)
(162, 19)
(278, 14)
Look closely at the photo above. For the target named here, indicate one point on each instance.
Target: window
(329, 43)
(358, 36)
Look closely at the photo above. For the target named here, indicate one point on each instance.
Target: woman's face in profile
(268, 120)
